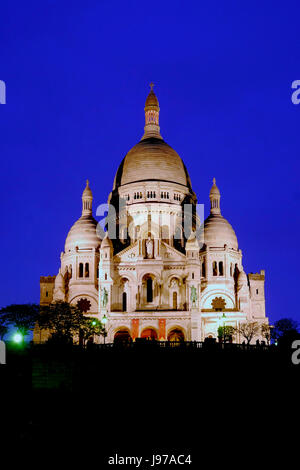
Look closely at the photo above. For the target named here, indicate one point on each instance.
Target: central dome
(152, 159)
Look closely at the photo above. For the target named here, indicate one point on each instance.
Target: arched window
(124, 302)
(175, 300)
(203, 269)
(98, 271)
(221, 270)
(215, 268)
(80, 274)
(105, 276)
(149, 290)
(193, 276)
(231, 269)
(87, 270)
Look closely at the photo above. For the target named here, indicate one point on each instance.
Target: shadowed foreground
(147, 400)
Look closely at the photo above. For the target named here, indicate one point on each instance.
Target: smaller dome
(218, 232)
(83, 234)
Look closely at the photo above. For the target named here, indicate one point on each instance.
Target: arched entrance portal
(176, 335)
(122, 336)
(149, 333)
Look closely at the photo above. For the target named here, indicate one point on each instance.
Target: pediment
(130, 253)
(170, 253)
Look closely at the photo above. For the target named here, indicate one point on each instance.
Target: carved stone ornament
(218, 303)
(84, 305)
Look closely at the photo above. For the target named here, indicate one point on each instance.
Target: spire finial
(87, 199)
(214, 196)
(151, 116)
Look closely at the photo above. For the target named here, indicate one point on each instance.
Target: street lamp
(104, 321)
(18, 338)
(94, 323)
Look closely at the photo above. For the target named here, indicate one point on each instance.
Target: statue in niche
(193, 295)
(149, 248)
(104, 297)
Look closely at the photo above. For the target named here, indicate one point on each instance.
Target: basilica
(157, 271)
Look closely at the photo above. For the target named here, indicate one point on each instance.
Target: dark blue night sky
(77, 75)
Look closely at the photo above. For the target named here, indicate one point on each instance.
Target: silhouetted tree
(21, 316)
(3, 330)
(62, 320)
(248, 330)
(285, 330)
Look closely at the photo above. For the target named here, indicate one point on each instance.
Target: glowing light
(104, 319)
(18, 338)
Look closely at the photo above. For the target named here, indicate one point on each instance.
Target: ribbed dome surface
(218, 232)
(83, 234)
(151, 99)
(152, 159)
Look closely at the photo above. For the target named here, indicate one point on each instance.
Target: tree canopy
(61, 319)
(21, 316)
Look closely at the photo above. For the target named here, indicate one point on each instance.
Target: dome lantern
(87, 200)
(215, 196)
(151, 128)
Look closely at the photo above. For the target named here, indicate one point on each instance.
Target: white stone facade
(151, 263)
